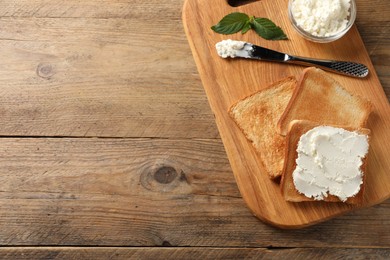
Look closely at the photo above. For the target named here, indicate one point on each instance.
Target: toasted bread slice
(257, 116)
(296, 129)
(320, 98)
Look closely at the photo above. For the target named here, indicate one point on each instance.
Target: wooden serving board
(225, 81)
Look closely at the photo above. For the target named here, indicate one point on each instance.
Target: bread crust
(296, 129)
(320, 98)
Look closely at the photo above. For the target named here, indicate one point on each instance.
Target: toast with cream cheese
(290, 192)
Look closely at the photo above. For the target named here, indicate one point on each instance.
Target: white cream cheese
(321, 17)
(329, 161)
(232, 49)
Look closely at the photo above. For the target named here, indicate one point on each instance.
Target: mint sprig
(235, 22)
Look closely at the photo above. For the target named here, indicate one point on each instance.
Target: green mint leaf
(235, 22)
(231, 23)
(246, 27)
(267, 29)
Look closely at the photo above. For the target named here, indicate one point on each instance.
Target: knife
(251, 51)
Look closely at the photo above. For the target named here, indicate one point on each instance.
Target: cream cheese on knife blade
(231, 49)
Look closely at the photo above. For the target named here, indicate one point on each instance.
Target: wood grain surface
(109, 149)
(191, 253)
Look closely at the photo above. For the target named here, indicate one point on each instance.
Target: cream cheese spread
(321, 18)
(232, 49)
(329, 161)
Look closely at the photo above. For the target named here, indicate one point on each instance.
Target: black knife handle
(342, 67)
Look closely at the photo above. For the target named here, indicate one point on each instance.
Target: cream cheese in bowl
(322, 20)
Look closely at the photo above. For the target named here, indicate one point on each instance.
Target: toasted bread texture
(257, 116)
(296, 129)
(320, 98)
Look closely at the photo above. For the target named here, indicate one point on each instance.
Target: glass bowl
(323, 39)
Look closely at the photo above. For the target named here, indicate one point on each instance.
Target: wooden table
(109, 148)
